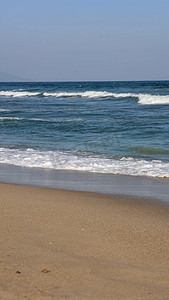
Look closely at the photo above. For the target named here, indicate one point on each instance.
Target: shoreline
(125, 185)
(58, 244)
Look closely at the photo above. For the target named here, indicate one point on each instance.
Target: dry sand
(73, 245)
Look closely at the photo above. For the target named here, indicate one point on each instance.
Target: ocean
(97, 127)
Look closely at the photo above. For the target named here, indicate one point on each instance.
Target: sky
(61, 40)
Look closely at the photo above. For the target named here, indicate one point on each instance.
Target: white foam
(42, 120)
(69, 161)
(87, 94)
(18, 94)
(148, 99)
(145, 99)
(53, 120)
(90, 94)
(3, 109)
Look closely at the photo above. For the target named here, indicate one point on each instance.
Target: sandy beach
(58, 244)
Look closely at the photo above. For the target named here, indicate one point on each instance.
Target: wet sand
(58, 244)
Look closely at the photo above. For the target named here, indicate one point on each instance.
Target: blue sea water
(101, 127)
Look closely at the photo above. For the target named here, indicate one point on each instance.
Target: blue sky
(85, 40)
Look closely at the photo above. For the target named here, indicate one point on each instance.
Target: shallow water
(102, 127)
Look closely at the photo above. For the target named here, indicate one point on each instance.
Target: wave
(18, 94)
(73, 161)
(11, 119)
(144, 99)
(87, 94)
(58, 120)
(147, 99)
(3, 110)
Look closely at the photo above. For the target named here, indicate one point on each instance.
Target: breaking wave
(148, 99)
(144, 99)
(18, 94)
(69, 161)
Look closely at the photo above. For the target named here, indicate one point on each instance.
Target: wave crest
(18, 94)
(144, 99)
(147, 99)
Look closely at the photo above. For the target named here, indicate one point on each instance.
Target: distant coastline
(7, 77)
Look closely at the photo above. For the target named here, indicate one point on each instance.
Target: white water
(145, 99)
(53, 120)
(69, 161)
(3, 110)
(87, 94)
(18, 94)
(11, 119)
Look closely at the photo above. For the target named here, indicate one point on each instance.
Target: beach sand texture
(73, 245)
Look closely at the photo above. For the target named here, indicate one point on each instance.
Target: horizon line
(39, 81)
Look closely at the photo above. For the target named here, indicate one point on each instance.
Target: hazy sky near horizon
(85, 40)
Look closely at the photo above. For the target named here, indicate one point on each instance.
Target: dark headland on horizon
(7, 77)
